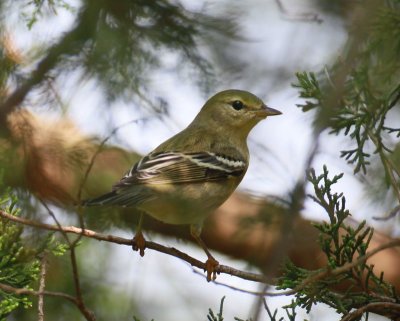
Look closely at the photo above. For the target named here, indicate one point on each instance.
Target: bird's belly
(186, 204)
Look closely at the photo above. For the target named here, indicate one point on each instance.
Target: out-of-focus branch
(66, 45)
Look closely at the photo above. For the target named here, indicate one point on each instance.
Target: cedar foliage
(355, 97)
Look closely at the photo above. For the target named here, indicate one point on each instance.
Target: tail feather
(118, 198)
(105, 199)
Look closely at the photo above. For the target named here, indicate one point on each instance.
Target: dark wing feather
(178, 168)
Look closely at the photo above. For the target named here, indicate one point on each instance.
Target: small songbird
(194, 172)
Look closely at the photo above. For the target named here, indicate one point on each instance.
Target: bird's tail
(110, 198)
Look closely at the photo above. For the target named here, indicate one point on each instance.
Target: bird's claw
(211, 268)
(139, 243)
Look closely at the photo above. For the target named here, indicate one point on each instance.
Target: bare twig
(149, 245)
(392, 213)
(74, 264)
(371, 307)
(42, 283)
(98, 150)
(24, 291)
(196, 263)
(235, 288)
(18, 291)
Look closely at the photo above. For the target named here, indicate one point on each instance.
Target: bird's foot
(139, 243)
(211, 268)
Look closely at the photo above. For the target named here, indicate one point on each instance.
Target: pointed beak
(268, 111)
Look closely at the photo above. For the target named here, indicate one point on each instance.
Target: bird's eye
(237, 104)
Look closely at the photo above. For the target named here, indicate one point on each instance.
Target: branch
(348, 266)
(42, 284)
(66, 45)
(371, 307)
(89, 316)
(72, 246)
(130, 242)
(196, 263)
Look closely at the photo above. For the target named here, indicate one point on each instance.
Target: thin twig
(346, 267)
(74, 263)
(42, 284)
(24, 291)
(371, 307)
(255, 293)
(271, 316)
(89, 316)
(97, 152)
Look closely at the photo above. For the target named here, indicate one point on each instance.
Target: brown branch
(149, 245)
(42, 283)
(235, 288)
(23, 291)
(196, 263)
(99, 149)
(348, 266)
(371, 307)
(68, 44)
(74, 263)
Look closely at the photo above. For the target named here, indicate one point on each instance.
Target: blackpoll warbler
(194, 172)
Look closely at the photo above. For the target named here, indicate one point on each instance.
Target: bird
(192, 173)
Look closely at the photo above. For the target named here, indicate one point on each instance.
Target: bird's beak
(265, 111)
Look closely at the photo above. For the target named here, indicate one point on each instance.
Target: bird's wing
(177, 168)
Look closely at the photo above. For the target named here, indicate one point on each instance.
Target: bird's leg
(211, 263)
(139, 243)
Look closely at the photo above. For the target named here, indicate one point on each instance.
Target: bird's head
(235, 109)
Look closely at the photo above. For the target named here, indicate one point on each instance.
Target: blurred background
(134, 73)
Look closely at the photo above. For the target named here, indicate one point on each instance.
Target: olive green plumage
(195, 171)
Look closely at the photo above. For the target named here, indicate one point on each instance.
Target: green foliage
(343, 245)
(356, 96)
(119, 45)
(308, 86)
(18, 266)
(40, 8)
(273, 316)
(219, 317)
(360, 114)
(20, 256)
